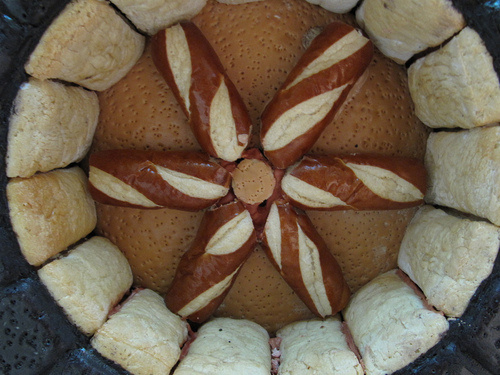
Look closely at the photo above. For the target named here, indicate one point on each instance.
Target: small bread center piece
(253, 181)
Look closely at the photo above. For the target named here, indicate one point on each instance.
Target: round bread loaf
(259, 43)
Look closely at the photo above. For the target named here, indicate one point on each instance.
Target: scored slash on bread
(313, 93)
(463, 171)
(391, 324)
(360, 182)
(225, 238)
(330, 353)
(216, 112)
(148, 179)
(88, 282)
(310, 97)
(144, 337)
(50, 211)
(300, 255)
(226, 346)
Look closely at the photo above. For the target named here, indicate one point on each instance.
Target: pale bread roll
(148, 240)
(260, 294)
(448, 257)
(51, 126)
(88, 44)
(402, 28)
(50, 211)
(261, 42)
(390, 324)
(316, 347)
(158, 123)
(463, 171)
(335, 6)
(151, 16)
(139, 112)
(88, 282)
(236, 1)
(225, 346)
(377, 117)
(143, 337)
(456, 86)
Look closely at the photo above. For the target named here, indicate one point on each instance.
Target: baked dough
(236, 1)
(143, 337)
(402, 28)
(456, 86)
(226, 346)
(88, 282)
(50, 211)
(463, 171)
(335, 6)
(88, 44)
(151, 16)
(448, 257)
(390, 324)
(316, 347)
(51, 126)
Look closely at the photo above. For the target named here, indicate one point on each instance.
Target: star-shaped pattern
(253, 196)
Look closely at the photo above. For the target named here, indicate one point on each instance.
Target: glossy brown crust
(197, 271)
(344, 72)
(330, 173)
(207, 75)
(337, 290)
(137, 169)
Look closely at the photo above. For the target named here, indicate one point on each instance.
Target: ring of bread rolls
(318, 146)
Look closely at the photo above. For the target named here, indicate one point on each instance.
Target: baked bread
(313, 93)
(463, 171)
(359, 182)
(236, 1)
(158, 123)
(88, 44)
(390, 324)
(456, 86)
(225, 346)
(149, 179)
(336, 6)
(51, 126)
(143, 336)
(88, 282)
(217, 115)
(207, 270)
(151, 16)
(316, 347)
(402, 28)
(50, 211)
(448, 257)
(303, 260)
